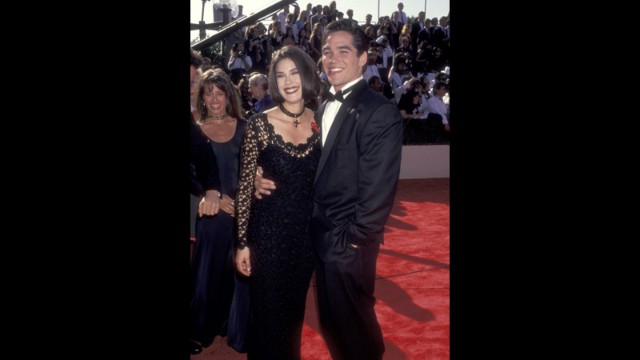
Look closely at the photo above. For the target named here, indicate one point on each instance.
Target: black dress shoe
(194, 347)
(206, 344)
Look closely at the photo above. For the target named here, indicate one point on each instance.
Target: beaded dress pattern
(276, 230)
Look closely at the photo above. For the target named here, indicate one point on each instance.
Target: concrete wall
(424, 162)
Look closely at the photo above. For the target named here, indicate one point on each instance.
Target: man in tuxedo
(354, 191)
(402, 17)
(415, 29)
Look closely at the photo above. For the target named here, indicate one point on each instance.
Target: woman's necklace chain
(296, 121)
(212, 118)
(216, 117)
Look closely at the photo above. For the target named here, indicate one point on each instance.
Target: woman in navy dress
(212, 271)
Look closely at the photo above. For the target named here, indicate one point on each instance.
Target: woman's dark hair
(222, 81)
(310, 81)
(406, 101)
(398, 59)
(360, 39)
(439, 85)
(196, 59)
(236, 44)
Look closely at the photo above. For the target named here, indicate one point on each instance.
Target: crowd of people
(402, 48)
(295, 157)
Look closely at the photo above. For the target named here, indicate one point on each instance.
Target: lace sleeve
(248, 165)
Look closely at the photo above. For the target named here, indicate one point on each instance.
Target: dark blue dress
(212, 274)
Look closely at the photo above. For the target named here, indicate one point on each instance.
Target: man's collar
(347, 85)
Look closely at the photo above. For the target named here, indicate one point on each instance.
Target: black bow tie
(339, 96)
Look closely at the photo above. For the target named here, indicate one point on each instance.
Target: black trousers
(346, 306)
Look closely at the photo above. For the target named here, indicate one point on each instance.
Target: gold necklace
(216, 117)
(221, 118)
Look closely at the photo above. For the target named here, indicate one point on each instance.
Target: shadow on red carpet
(412, 286)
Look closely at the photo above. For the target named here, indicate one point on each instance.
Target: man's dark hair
(360, 39)
(439, 85)
(196, 59)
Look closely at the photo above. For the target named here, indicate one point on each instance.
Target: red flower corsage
(315, 128)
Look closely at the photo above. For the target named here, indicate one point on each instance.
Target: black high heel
(194, 347)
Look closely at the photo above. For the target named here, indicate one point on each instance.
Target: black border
(104, 248)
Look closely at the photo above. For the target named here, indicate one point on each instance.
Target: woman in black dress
(274, 245)
(212, 270)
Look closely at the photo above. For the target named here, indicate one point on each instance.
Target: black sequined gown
(276, 230)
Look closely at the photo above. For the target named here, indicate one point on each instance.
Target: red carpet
(412, 287)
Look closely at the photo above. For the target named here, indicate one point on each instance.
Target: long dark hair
(222, 81)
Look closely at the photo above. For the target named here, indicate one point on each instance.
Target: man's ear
(362, 61)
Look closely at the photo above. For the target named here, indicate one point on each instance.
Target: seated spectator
(400, 78)
(376, 84)
(371, 69)
(386, 57)
(437, 121)
(409, 105)
(436, 63)
(442, 77)
(245, 96)
(413, 129)
(206, 64)
(423, 56)
(398, 71)
(259, 87)
(405, 48)
(289, 36)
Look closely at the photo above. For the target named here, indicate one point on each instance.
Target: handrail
(237, 24)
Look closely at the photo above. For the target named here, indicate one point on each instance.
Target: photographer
(405, 49)
(371, 69)
(239, 62)
(386, 57)
(276, 34)
(397, 74)
(257, 47)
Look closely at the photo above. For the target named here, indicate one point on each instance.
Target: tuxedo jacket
(415, 29)
(357, 174)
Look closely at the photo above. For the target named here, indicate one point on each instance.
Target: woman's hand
(228, 205)
(210, 203)
(243, 262)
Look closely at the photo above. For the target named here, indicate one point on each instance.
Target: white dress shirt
(402, 17)
(332, 108)
(237, 63)
(437, 106)
(371, 70)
